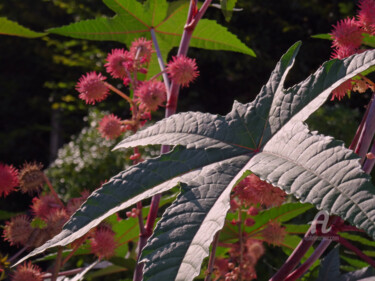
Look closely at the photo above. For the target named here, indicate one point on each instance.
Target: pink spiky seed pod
(252, 191)
(143, 48)
(31, 177)
(27, 272)
(103, 243)
(8, 179)
(111, 127)
(55, 222)
(119, 63)
(366, 16)
(274, 233)
(17, 231)
(347, 33)
(92, 88)
(343, 52)
(342, 90)
(150, 95)
(182, 70)
(44, 205)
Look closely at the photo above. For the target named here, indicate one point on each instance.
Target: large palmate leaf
(167, 20)
(8, 27)
(266, 136)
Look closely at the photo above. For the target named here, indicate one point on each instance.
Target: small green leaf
(368, 40)
(167, 20)
(38, 223)
(4, 215)
(227, 7)
(8, 27)
(325, 36)
(357, 238)
(355, 262)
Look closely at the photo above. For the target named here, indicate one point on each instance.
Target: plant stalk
(50, 186)
(367, 132)
(211, 261)
(160, 61)
(16, 255)
(309, 262)
(171, 107)
(57, 266)
(295, 257)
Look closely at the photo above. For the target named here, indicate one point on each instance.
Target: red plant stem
(241, 242)
(191, 23)
(211, 261)
(142, 228)
(295, 257)
(310, 261)
(64, 273)
(16, 255)
(161, 62)
(57, 266)
(354, 143)
(171, 107)
(120, 93)
(358, 252)
(369, 163)
(367, 132)
(50, 186)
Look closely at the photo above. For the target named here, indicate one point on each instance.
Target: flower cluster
(347, 38)
(8, 179)
(252, 191)
(29, 178)
(241, 262)
(27, 271)
(249, 197)
(47, 215)
(148, 95)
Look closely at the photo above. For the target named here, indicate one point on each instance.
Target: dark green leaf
(330, 266)
(12, 28)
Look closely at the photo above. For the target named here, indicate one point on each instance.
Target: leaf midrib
(319, 177)
(189, 134)
(126, 10)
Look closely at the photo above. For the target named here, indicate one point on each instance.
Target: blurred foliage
(338, 121)
(87, 161)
